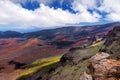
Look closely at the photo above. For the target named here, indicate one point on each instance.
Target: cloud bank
(12, 13)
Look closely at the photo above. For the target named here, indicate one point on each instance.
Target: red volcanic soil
(5, 43)
(21, 51)
(61, 51)
(80, 42)
(24, 51)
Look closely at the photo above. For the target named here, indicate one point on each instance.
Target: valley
(19, 51)
(59, 40)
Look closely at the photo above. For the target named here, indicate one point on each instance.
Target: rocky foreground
(102, 68)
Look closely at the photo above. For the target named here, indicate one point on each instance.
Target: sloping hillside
(106, 66)
(10, 34)
(70, 67)
(112, 44)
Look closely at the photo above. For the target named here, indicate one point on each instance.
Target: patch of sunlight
(38, 64)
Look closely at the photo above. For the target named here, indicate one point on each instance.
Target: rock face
(112, 44)
(106, 65)
(102, 68)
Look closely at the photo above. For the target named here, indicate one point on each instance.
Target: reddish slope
(25, 51)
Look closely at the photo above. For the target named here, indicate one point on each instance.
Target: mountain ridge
(14, 34)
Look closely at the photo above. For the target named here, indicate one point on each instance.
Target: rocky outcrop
(85, 76)
(99, 57)
(106, 65)
(103, 68)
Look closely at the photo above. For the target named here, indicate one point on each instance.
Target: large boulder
(103, 68)
(99, 57)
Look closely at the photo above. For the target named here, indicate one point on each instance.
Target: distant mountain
(66, 36)
(71, 32)
(11, 34)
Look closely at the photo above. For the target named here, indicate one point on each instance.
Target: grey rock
(85, 76)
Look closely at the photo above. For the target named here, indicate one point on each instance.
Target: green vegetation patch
(70, 71)
(37, 65)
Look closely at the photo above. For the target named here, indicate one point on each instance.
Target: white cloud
(95, 14)
(14, 14)
(112, 8)
(80, 5)
(113, 17)
(11, 13)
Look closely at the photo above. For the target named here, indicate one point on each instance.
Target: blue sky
(44, 14)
